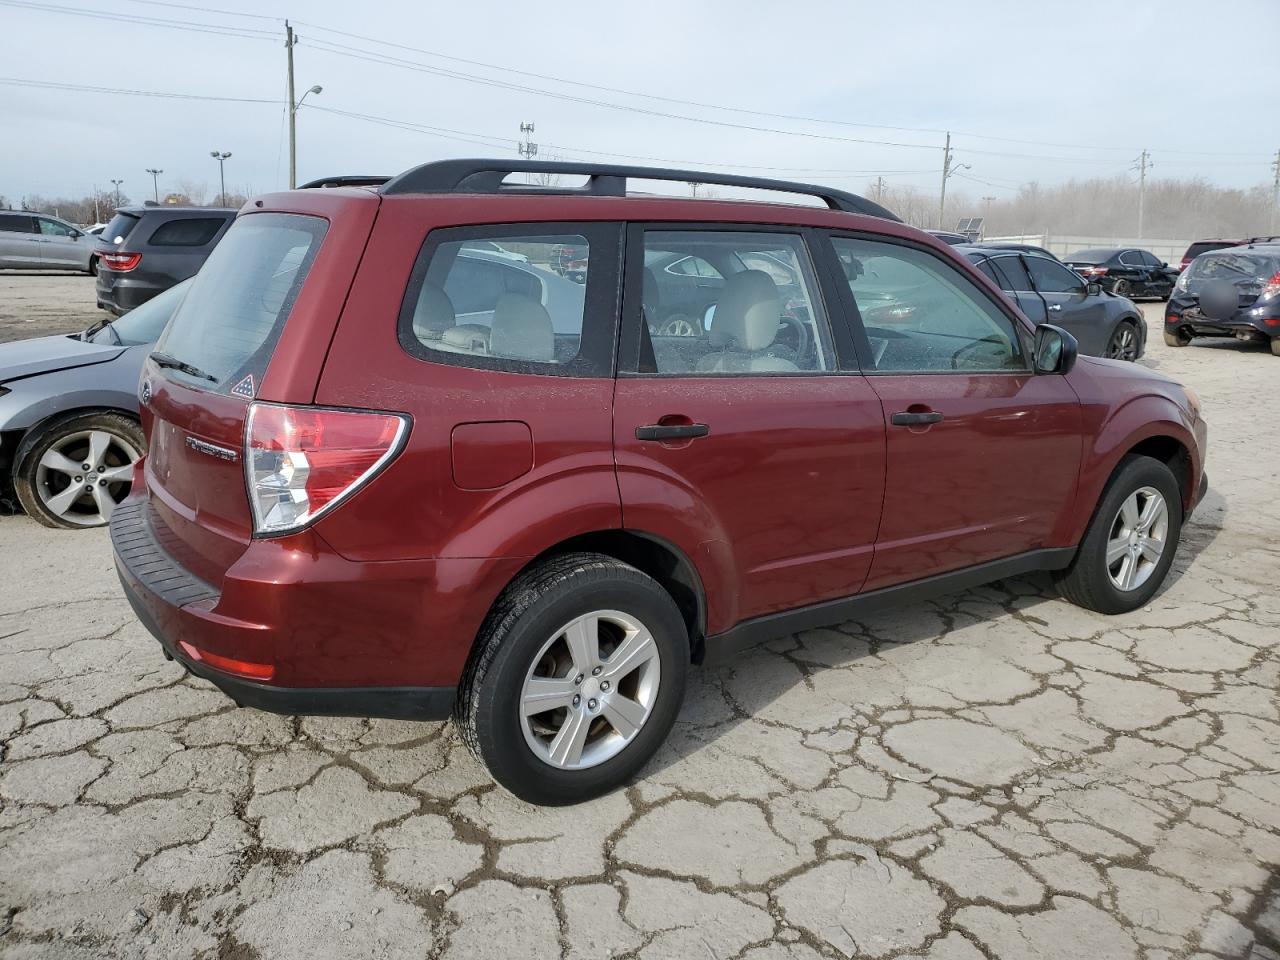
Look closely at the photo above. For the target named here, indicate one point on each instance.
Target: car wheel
(1123, 344)
(1275, 347)
(73, 472)
(1176, 338)
(1121, 288)
(93, 266)
(1129, 545)
(575, 680)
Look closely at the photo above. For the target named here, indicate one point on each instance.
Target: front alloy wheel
(1123, 344)
(1138, 538)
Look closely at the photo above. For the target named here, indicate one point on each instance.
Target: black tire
(1176, 339)
(38, 442)
(1118, 348)
(525, 616)
(1121, 288)
(1087, 582)
(93, 267)
(1275, 347)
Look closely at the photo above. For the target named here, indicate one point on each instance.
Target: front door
(982, 453)
(1068, 300)
(749, 444)
(61, 246)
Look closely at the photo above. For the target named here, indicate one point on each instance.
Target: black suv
(1125, 271)
(146, 250)
(1228, 293)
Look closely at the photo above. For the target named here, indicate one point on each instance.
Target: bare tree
(196, 191)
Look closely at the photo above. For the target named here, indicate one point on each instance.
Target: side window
(1130, 258)
(692, 267)
(764, 316)
(1014, 272)
(52, 228)
(985, 267)
(923, 315)
(1150, 259)
(510, 301)
(192, 232)
(1052, 277)
(16, 223)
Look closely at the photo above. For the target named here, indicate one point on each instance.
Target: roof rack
(346, 181)
(603, 180)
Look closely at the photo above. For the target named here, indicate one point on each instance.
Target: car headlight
(1193, 398)
(1184, 281)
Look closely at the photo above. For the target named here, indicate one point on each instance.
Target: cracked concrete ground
(997, 774)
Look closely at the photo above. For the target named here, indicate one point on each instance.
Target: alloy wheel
(84, 475)
(1124, 343)
(590, 689)
(1138, 538)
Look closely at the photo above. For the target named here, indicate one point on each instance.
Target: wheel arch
(30, 436)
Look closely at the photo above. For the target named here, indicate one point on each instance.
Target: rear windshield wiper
(173, 363)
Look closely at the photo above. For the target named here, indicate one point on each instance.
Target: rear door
(1069, 304)
(1013, 278)
(19, 241)
(982, 454)
(754, 445)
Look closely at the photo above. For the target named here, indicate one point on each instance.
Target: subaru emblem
(145, 392)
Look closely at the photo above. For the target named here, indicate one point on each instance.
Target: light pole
(117, 183)
(222, 175)
(155, 181)
(293, 134)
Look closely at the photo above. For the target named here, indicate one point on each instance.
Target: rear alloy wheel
(1121, 288)
(1123, 344)
(75, 471)
(576, 678)
(1175, 338)
(1275, 347)
(1129, 546)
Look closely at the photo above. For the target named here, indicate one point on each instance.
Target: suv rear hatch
(273, 287)
(1249, 271)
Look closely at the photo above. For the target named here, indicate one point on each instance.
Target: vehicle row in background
(1231, 292)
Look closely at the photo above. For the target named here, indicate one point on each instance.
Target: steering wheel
(802, 344)
(678, 325)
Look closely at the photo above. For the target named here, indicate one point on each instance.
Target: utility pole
(949, 167)
(155, 181)
(1275, 193)
(290, 41)
(526, 147)
(222, 176)
(97, 214)
(1142, 164)
(879, 189)
(117, 183)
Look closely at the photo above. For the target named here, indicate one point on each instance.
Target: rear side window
(17, 223)
(526, 298)
(118, 230)
(1051, 277)
(187, 232)
(230, 320)
(1014, 273)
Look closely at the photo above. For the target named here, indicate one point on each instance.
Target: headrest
(434, 313)
(747, 316)
(521, 329)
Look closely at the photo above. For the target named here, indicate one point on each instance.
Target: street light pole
(222, 175)
(155, 181)
(117, 183)
(293, 133)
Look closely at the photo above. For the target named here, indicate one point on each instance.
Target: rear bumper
(119, 293)
(300, 637)
(1245, 322)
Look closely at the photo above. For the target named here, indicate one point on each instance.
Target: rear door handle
(672, 431)
(915, 419)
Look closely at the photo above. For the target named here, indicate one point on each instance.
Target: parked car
(1022, 247)
(95, 229)
(542, 532)
(1205, 246)
(146, 250)
(1228, 293)
(37, 241)
(69, 431)
(490, 247)
(682, 287)
(1106, 325)
(1125, 271)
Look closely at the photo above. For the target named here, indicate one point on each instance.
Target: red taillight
(243, 668)
(302, 461)
(1095, 271)
(1272, 286)
(1172, 318)
(122, 262)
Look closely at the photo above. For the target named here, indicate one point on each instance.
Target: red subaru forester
(401, 466)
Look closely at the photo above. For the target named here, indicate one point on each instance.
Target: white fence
(1170, 251)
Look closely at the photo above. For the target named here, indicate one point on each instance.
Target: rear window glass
(1234, 266)
(1090, 256)
(1196, 249)
(188, 232)
(118, 230)
(228, 325)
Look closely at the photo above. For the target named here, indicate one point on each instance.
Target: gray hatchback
(145, 250)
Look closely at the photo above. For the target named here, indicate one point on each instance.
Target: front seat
(744, 326)
(522, 329)
(433, 314)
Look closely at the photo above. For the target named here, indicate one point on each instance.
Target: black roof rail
(604, 180)
(344, 181)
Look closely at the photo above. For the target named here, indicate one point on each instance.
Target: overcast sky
(1091, 83)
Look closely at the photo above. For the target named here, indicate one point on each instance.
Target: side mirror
(1055, 349)
(1093, 289)
(1165, 265)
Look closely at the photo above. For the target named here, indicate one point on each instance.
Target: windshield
(1090, 256)
(228, 325)
(142, 324)
(118, 230)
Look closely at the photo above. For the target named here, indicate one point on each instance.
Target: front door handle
(1055, 307)
(915, 418)
(672, 431)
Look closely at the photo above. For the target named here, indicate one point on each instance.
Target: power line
(244, 33)
(86, 88)
(201, 9)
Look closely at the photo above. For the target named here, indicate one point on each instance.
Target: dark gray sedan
(1106, 325)
(69, 431)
